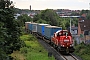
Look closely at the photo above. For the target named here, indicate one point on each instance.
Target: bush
(24, 50)
(83, 50)
(75, 43)
(27, 38)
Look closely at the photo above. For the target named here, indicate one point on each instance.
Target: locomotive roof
(61, 30)
(58, 31)
(53, 26)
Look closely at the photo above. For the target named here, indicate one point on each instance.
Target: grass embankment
(32, 51)
(83, 51)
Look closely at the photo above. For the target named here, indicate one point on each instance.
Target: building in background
(30, 7)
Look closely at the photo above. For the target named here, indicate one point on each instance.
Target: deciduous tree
(9, 30)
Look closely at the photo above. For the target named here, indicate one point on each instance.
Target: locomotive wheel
(58, 49)
(54, 45)
(51, 43)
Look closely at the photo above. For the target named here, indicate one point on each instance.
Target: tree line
(10, 31)
(49, 16)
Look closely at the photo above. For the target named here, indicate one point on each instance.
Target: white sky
(52, 4)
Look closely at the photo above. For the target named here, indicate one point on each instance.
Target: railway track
(69, 57)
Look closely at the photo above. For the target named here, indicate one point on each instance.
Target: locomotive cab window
(58, 34)
(64, 33)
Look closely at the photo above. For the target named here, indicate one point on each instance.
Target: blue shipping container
(34, 27)
(50, 30)
(30, 26)
(41, 28)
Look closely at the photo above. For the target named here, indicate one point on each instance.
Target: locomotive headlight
(71, 45)
(63, 45)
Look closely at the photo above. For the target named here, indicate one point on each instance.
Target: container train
(56, 36)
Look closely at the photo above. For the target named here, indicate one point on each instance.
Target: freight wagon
(27, 26)
(41, 30)
(33, 28)
(50, 30)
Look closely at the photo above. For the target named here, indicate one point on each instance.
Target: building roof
(84, 25)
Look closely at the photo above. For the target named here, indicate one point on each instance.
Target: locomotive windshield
(64, 33)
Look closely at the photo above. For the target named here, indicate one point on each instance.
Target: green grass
(38, 56)
(33, 49)
(27, 37)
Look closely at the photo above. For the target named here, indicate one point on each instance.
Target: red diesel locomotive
(62, 40)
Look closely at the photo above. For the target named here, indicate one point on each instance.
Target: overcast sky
(52, 4)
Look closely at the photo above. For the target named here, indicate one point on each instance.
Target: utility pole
(70, 25)
(89, 6)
